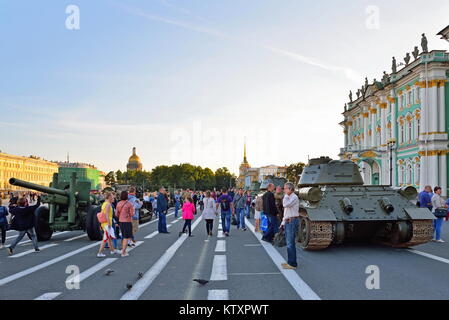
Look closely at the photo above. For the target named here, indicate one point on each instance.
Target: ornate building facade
(134, 163)
(32, 169)
(404, 117)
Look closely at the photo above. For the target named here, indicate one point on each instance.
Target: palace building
(32, 169)
(403, 117)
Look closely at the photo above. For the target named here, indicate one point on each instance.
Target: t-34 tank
(70, 207)
(335, 207)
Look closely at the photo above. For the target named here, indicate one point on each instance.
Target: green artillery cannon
(70, 207)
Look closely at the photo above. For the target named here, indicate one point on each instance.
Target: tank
(274, 180)
(335, 207)
(70, 206)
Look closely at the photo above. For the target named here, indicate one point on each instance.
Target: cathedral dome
(134, 163)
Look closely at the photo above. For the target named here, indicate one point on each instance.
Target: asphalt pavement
(239, 267)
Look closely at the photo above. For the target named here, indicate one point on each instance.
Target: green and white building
(406, 117)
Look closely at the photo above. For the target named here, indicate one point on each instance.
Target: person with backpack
(270, 210)
(226, 205)
(187, 215)
(135, 220)
(239, 209)
(3, 223)
(23, 221)
(106, 224)
(125, 213)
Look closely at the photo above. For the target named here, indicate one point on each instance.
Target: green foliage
(294, 172)
(185, 176)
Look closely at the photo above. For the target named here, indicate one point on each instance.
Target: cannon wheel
(92, 225)
(43, 230)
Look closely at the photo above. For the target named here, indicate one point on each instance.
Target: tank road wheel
(92, 225)
(421, 232)
(41, 225)
(314, 235)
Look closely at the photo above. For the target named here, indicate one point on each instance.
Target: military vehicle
(70, 207)
(335, 206)
(274, 180)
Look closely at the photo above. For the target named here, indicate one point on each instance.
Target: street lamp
(391, 144)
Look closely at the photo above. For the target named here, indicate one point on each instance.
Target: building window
(409, 174)
(417, 172)
(401, 134)
(410, 130)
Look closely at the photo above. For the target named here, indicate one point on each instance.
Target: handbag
(234, 221)
(279, 239)
(440, 213)
(263, 222)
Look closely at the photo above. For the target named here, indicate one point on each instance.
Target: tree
(224, 179)
(110, 179)
(294, 172)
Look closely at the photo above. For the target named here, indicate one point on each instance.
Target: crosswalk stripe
(142, 285)
(220, 234)
(48, 296)
(152, 235)
(301, 288)
(218, 295)
(32, 251)
(221, 246)
(428, 255)
(38, 267)
(219, 269)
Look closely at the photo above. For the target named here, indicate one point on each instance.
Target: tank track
(422, 233)
(320, 234)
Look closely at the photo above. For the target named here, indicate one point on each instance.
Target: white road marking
(138, 243)
(54, 235)
(32, 251)
(220, 234)
(48, 296)
(255, 274)
(77, 237)
(221, 246)
(301, 288)
(153, 221)
(168, 225)
(218, 295)
(175, 221)
(86, 274)
(253, 245)
(152, 235)
(45, 264)
(219, 269)
(428, 255)
(141, 285)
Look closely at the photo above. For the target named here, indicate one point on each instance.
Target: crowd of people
(431, 199)
(119, 217)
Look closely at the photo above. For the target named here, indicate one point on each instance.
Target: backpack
(225, 205)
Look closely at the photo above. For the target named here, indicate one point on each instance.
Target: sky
(190, 80)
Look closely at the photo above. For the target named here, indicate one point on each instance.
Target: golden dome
(134, 162)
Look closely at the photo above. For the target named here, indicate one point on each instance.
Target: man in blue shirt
(162, 207)
(177, 203)
(425, 198)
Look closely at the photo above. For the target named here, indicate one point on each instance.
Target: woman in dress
(209, 212)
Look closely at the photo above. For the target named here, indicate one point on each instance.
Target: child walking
(188, 210)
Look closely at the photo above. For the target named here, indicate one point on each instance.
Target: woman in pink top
(188, 210)
(124, 213)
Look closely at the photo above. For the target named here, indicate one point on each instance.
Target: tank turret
(325, 171)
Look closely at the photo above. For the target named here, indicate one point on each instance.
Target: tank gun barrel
(37, 187)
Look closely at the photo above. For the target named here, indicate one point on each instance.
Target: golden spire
(244, 153)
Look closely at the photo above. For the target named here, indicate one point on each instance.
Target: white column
(433, 175)
(383, 126)
(373, 128)
(365, 132)
(443, 174)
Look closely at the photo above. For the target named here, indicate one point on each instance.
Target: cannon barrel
(37, 187)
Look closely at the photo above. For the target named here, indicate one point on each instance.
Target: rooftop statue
(424, 43)
(385, 79)
(350, 95)
(407, 58)
(393, 66)
(415, 53)
(358, 93)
